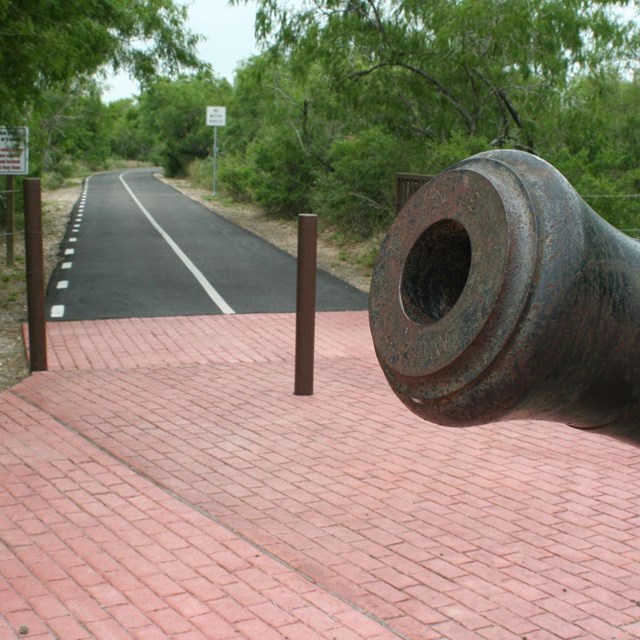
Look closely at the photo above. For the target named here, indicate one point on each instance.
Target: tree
(51, 42)
(597, 145)
(492, 66)
(127, 139)
(172, 117)
(280, 131)
(70, 125)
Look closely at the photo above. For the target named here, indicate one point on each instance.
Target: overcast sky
(229, 39)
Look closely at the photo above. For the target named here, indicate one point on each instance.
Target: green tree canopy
(172, 115)
(69, 124)
(489, 65)
(49, 42)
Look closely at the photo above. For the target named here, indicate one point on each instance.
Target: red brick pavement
(190, 494)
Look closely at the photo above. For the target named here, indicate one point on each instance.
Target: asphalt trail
(136, 247)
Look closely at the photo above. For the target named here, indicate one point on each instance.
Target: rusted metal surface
(500, 294)
(35, 274)
(407, 184)
(306, 303)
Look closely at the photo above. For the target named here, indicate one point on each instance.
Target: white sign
(14, 150)
(216, 116)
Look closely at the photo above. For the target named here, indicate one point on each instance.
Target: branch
(378, 17)
(306, 150)
(367, 199)
(366, 72)
(510, 108)
(434, 82)
(502, 100)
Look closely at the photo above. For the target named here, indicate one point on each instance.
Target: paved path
(136, 247)
(161, 481)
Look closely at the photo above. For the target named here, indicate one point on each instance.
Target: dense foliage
(389, 85)
(172, 119)
(54, 52)
(46, 43)
(349, 92)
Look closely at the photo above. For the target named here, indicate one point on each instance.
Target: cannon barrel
(499, 293)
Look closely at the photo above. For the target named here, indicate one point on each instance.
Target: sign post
(10, 220)
(14, 160)
(216, 117)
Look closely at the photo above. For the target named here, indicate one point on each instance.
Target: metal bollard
(306, 303)
(35, 274)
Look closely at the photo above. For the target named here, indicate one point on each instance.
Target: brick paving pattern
(162, 481)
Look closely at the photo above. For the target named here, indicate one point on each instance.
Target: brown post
(35, 274)
(10, 221)
(306, 303)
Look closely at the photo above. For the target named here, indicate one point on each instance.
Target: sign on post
(216, 117)
(14, 150)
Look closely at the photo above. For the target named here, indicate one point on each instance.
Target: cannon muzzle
(499, 293)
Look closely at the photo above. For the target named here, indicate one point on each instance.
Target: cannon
(498, 293)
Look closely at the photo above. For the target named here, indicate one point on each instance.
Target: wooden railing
(406, 185)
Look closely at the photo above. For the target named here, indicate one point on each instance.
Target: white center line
(216, 298)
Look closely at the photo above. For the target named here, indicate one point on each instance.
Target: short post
(35, 274)
(10, 220)
(306, 303)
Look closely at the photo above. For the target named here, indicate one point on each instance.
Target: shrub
(279, 172)
(608, 189)
(200, 173)
(441, 155)
(357, 196)
(235, 177)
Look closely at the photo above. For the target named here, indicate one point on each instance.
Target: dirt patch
(56, 209)
(346, 261)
